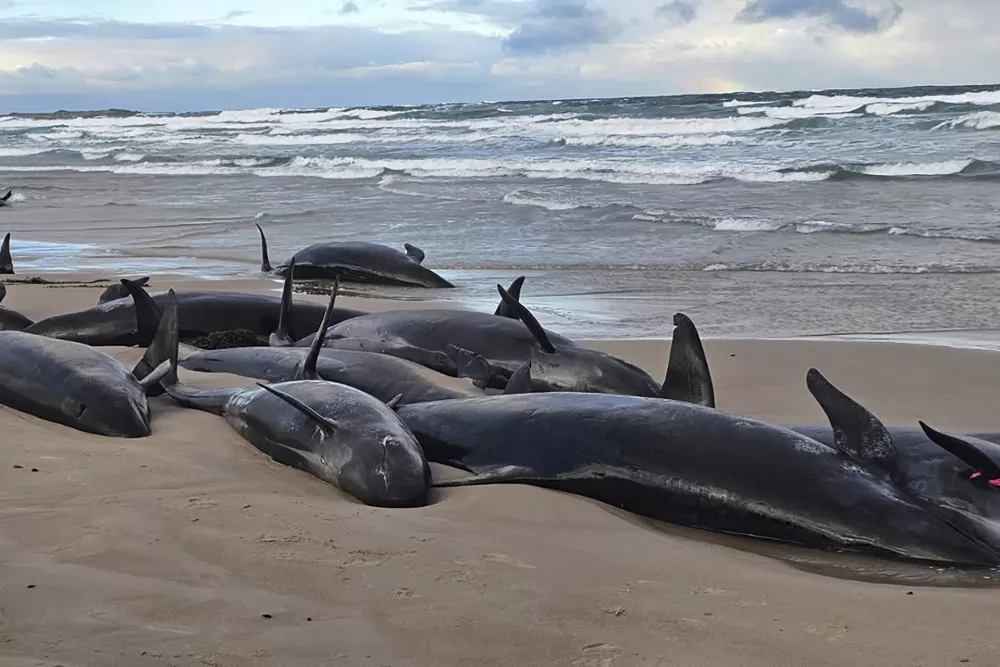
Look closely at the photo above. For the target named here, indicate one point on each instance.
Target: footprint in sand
(279, 539)
(598, 655)
(506, 560)
(371, 557)
(832, 631)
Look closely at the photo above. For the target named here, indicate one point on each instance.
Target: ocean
(757, 214)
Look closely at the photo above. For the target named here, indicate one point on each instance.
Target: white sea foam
(783, 267)
(980, 120)
(21, 152)
(746, 225)
(531, 199)
(652, 142)
(945, 168)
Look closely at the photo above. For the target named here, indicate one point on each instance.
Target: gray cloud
(97, 30)
(678, 12)
(588, 48)
(235, 14)
(349, 7)
(561, 25)
(837, 12)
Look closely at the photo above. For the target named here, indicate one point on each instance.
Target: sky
(216, 54)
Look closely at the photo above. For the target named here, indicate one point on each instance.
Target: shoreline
(367, 297)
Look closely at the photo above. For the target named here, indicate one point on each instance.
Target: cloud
(678, 12)
(15, 29)
(560, 25)
(837, 12)
(349, 7)
(236, 14)
(455, 50)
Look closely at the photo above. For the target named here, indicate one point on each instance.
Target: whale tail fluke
(207, 400)
(120, 291)
(159, 363)
(6, 261)
(688, 378)
(307, 371)
(283, 337)
(147, 313)
(265, 263)
(518, 311)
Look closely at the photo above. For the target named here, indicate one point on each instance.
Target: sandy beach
(192, 548)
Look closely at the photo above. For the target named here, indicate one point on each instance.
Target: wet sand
(192, 548)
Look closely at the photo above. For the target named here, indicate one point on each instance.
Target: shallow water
(758, 214)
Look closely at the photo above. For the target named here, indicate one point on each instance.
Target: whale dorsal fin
(307, 371)
(394, 401)
(688, 378)
(520, 380)
(523, 314)
(856, 431)
(147, 313)
(515, 291)
(982, 455)
(415, 253)
(282, 336)
(7, 196)
(6, 261)
(265, 263)
(325, 423)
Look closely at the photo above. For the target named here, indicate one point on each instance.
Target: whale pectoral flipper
(470, 365)
(414, 253)
(528, 319)
(324, 422)
(282, 337)
(968, 451)
(520, 380)
(688, 378)
(515, 291)
(504, 475)
(307, 370)
(856, 431)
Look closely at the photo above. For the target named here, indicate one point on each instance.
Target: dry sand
(191, 548)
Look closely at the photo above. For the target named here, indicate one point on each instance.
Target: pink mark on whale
(994, 482)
